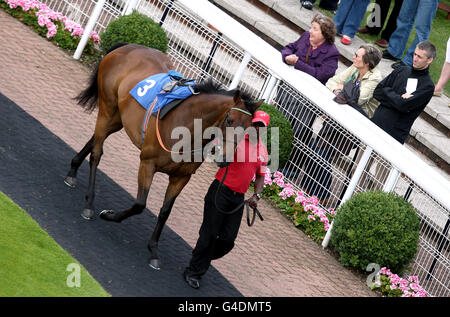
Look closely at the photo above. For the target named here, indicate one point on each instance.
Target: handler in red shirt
(220, 225)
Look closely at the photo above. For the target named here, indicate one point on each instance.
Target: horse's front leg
(176, 185)
(71, 178)
(145, 178)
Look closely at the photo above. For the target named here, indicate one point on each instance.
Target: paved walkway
(41, 127)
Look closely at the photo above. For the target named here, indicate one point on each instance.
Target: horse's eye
(229, 121)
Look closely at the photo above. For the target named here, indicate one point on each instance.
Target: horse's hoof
(109, 215)
(70, 181)
(88, 214)
(154, 264)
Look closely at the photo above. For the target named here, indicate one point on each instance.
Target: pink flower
(395, 279)
(42, 19)
(385, 271)
(94, 36)
(416, 287)
(279, 182)
(407, 294)
(413, 279)
(404, 288)
(332, 211)
(393, 287)
(51, 32)
(278, 174)
(300, 199)
(313, 200)
(311, 217)
(422, 293)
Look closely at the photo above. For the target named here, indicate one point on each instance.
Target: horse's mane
(210, 86)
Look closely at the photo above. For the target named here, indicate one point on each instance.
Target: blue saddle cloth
(150, 88)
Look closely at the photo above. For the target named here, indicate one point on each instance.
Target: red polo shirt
(248, 161)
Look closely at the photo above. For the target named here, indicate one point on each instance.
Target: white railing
(204, 41)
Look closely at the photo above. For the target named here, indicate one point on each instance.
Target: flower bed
(392, 285)
(304, 211)
(307, 215)
(53, 25)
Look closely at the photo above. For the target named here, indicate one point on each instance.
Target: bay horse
(117, 73)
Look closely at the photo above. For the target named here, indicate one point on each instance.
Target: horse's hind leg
(103, 128)
(145, 178)
(176, 185)
(71, 178)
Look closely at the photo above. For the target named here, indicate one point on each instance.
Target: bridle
(161, 143)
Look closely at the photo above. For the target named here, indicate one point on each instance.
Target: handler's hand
(253, 202)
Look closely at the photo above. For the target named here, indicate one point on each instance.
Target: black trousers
(392, 22)
(218, 230)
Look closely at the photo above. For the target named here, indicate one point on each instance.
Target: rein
(161, 143)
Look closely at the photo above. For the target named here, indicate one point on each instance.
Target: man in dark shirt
(405, 93)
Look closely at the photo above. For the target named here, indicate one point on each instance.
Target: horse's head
(237, 120)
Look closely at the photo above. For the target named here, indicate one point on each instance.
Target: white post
(391, 180)
(351, 188)
(131, 4)
(268, 90)
(240, 71)
(89, 27)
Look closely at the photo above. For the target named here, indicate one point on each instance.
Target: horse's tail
(88, 97)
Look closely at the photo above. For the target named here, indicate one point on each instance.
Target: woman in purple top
(315, 54)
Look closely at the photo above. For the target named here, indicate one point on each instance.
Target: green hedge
(134, 28)
(277, 119)
(376, 227)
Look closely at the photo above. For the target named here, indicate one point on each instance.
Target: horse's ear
(259, 104)
(237, 97)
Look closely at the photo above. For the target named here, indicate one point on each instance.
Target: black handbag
(331, 136)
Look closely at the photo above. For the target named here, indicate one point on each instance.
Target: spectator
(348, 18)
(404, 94)
(354, 87)
(314, 53)
(330, 5)
(384, 6)
(419, 13)
(364, 69)
(445, 73)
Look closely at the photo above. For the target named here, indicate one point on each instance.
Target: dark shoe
(382, 43)
(363, 30)
(398, 64)
(191, 280)
(306, 4)
(388, 55)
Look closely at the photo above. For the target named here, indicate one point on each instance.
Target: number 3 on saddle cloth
(161, 91)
